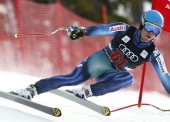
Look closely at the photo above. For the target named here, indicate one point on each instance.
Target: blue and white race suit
(110, 66)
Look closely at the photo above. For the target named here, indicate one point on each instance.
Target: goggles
(152, 28)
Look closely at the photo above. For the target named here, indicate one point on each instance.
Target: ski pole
(40, 34)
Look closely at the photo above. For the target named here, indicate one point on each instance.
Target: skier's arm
(158, 63)
(113, 29)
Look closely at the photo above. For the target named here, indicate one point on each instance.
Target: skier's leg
(77, 76)
(106, 83)
(91, 67)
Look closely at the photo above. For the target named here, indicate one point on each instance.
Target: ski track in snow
(14, 112)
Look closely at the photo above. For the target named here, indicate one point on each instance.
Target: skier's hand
(75, 32)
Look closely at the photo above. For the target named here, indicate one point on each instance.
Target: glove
(75, 32)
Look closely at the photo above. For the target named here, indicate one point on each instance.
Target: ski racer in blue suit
(110, 66)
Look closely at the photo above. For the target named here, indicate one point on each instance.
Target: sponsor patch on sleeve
(117, 28)
(161, 64)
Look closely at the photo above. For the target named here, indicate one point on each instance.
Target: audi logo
(128, 53)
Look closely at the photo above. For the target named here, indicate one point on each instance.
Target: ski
(56, 112)
(88, 104)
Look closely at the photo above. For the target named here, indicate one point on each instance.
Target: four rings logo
(128, 53)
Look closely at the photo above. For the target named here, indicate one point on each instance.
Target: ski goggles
(152, 28)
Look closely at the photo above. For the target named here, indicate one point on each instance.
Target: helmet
(153, 17)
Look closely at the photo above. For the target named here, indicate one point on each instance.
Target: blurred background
(117, 10)
(56, 54)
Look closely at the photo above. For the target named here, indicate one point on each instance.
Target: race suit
(110, 66)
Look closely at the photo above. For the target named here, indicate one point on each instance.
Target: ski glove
(75, 32)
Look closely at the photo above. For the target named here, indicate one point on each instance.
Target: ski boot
(27, 93)
(82, 93)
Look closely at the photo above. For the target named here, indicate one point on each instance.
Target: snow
(72, 112)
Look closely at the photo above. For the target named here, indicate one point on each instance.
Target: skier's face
(147, 36)
(149, 31)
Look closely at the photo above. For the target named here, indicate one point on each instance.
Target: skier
(110, 66)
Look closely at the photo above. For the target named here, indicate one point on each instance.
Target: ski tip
(57, 112)
(106, 111)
